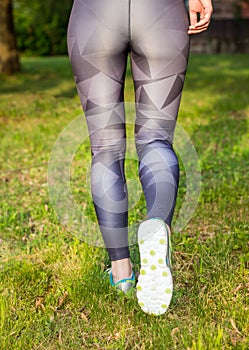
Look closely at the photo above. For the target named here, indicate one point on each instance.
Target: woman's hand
(205, 9)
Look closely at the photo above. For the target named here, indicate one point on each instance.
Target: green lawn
(52, 291)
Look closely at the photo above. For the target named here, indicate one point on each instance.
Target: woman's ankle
(121, 269)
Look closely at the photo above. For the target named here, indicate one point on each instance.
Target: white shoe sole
(155, 282)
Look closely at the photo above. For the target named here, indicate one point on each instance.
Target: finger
(193, 18)
(202, 14)
(205, 25)
(202, 27)
(202, 22)
(205, 17)
(196, 31)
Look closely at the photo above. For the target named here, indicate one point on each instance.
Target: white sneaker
(155, 282)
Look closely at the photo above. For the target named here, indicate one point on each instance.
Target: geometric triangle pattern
(101, 35)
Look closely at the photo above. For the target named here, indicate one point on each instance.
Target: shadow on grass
(39, 74)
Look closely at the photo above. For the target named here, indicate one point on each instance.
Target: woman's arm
(205, 9)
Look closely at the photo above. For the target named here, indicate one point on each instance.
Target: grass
(53, 293)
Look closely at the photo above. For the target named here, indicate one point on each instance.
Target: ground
(54, 294)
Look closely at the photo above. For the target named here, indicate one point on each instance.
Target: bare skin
(123, 268)
(205, 9)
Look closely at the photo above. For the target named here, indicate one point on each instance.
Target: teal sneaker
(125, 285)
(155, 281)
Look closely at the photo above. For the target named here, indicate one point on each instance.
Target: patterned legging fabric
(101, 35)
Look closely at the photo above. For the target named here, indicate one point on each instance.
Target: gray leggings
(101, 33)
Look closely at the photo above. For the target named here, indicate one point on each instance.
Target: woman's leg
(159, 55)
(98, 47)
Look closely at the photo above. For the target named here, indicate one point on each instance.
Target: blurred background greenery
(41, 26)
